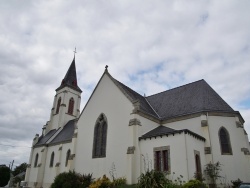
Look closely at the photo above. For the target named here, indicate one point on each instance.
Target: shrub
(103, 182)
(152, 179)
(72, 179)
(119, 182)
(194, 184)
(236, 183)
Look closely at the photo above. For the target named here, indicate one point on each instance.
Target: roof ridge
(152, 108)
(177, 87)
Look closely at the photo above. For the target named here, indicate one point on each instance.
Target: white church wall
(236, 165)
(50, 172)
(194, 146)
(65, 148)
(178, 159)
(33, 169)
(109, 100)
(192, 124)
(147, 125)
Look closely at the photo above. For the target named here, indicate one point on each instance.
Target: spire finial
(75, 52)
(106, 67)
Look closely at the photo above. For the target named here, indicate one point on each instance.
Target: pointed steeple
(70, 78)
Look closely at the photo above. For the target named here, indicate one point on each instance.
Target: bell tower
(67, 101)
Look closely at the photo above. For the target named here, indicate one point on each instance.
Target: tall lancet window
(100, 137)
(58, 105)
(36, 160)
(67, 157)
(52, 159)
(225, 144)
(71, 106)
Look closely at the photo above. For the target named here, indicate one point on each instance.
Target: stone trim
(136, 104)
(204, 122)
(134, 121)
(207, 150)
(75, 135)
(72, 156)
(161, 149)
(64, 105)
(238, 124)
(60, 148)
(57, 164)
(245, 151)
(131, 150)
(40, 164)
(42, 150)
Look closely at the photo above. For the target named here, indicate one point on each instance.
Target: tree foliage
(19, 169)
(4, 175)
(212, 171)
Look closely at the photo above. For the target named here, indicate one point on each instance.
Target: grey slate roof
(66, 133)
(144, 105)
(162, 131)
(70, 78)
(184, 100)
(43, 139)
(188, 99)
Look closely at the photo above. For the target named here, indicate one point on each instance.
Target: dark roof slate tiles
(43, 139)
(191, 98)
(66, 133)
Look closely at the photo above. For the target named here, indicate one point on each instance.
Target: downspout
(186, 154)
(210, 140)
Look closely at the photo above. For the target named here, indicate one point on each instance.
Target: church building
(178, 131)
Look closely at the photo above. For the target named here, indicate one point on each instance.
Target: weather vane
(75, 51)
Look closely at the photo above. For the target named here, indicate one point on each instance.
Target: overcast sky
(150, 46)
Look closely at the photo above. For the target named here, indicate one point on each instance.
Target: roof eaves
(186, 131)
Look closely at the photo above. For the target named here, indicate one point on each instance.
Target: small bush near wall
(72, 179)
(194, 184)
(105, 182)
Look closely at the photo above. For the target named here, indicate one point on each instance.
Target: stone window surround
(99, 150)
(228, 141)
(161, 149)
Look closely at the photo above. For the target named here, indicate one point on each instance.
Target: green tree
(19, 169)
(4, 175)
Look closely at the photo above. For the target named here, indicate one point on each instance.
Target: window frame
(100, 137)
(58, 105)
(71, 106)
(225, 143)
(67, 157)
(52, 156)
(198, 167)
(162, 159)
(36, 160)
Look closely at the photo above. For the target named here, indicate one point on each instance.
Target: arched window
(71, 106)
(100, 137)
(52, 159)
(58, 105)
(36, 160)
(67, 157)
(198, 167)
(225, 144)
